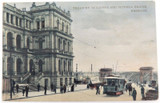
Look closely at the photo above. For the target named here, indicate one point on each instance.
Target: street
(80, 94)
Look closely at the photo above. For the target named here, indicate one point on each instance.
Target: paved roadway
(80, 94)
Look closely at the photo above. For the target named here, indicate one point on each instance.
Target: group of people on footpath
(134, 92)
(53, 88)
(25, 89)
(63, 88)
(16, 86)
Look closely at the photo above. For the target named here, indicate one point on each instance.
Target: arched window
(9, 40)
(31, 65)
(59, 66)
(28, 43)
(64, 45)
(59, 43)
(43, 24)
(69, 65)
(18, 42)
(67, 29)
(64, 64)
(40, 64)
(10, 66)
(40, 43)
(7, 16)
(58, 24)
(62, 26)
(19, 62)
(38, 25)
(68, 47)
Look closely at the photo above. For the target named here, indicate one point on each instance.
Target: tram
(114, 86)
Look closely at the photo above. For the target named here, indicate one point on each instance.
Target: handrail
(25, 76)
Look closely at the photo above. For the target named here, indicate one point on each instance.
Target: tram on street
(113, 86)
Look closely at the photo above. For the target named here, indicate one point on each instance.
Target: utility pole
(76, 68)
(76, 71)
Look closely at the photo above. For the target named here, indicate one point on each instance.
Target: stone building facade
(38, 45)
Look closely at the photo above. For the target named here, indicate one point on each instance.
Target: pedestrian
(17, 87)
(38, 87)
(23, 91)
(72, 88)
(13, 83)
(100, 88)
(130, 89)
(126, 88)
(142, 92)
(45, 90)
(27, 90)
(87, 86)
(52, 87)
(61, 88)
(64, 88)
(97, 89)
(134, 94)
(12, 86)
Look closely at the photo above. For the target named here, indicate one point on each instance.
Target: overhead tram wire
(93, 46)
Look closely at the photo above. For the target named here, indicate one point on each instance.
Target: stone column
(67, 66)
(56, 42)
(14, 20)
(71, 66)
(5, 65)
(15, 65)
(54, 21)
(46, 42)
(5, 39)
(31, 42)
(56, 65)
(69, 27)
(14, 41)
(28, 60)
(4, 17)
(71, 47)
(61, 46)
(62, 65)
(52, 41)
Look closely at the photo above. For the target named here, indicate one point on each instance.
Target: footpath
(32, 94)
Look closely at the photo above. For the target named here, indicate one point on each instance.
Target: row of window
(42, 24)
(40, 42)
(18, 21)
(18, 41)
(19, 66)
(64, 66)
(58, 26)
(63, 27)
(64, 45)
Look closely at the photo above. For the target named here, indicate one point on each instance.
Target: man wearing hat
(134, 93)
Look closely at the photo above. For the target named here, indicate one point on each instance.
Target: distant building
(146, 74)
(38, 45)
(104, 72)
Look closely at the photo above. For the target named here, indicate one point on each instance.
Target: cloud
(103, 36)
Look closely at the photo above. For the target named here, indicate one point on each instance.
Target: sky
(111, 37)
